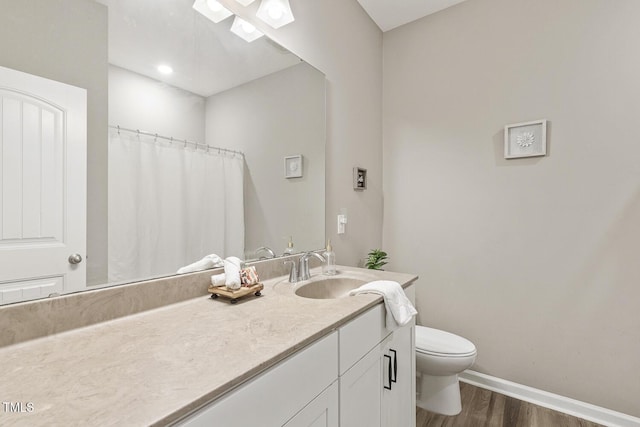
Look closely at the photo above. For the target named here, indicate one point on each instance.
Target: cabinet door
(321, 412)
(398, 403)
(361, 391)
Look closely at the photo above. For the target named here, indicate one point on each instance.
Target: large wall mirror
(224, 154)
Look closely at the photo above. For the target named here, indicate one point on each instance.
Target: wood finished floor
(484, 408)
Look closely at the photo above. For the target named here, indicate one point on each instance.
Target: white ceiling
(206, 57)
(389, 14)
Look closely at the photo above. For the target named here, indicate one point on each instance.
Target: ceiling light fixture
(276, 13)
(165, 69)
(212, 9)
(245, 2)
(245, 30)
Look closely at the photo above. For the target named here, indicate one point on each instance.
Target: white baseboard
(556, 402)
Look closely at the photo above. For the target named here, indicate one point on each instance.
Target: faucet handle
(293, 273)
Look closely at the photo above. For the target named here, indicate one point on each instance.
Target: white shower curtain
(170, 206)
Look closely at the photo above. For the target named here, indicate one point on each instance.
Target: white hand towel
(232, 267)
(399, 309)
(218, 280)
(210, 261)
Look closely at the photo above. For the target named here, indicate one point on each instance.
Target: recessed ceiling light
(165, 69)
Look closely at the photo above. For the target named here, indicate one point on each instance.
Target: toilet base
(438, 394)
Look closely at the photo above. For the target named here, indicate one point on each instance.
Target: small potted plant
(376, 259)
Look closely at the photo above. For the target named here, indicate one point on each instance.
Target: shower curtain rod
(171, 139)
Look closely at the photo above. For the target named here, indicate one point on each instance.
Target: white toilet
(440, 357)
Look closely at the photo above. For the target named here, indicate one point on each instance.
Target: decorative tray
(223, 291)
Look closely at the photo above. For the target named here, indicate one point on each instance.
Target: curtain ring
(118, 129)
(171, 140)
(156, 138)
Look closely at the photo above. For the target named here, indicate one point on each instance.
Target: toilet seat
(435, 342)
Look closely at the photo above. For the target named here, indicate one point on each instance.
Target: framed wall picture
(527, 139)
(293, 166)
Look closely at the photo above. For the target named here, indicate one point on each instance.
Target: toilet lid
(435, 341)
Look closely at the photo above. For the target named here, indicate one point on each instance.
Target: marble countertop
(152, 368)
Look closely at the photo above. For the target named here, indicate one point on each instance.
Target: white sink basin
(329, 287)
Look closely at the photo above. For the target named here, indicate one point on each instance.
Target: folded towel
(218, 280)
(399, 309)
(210, 261)
(232, 267)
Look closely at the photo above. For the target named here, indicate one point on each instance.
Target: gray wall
(139, 102)
(66, 40)
(279, 115)
(534, 260)
(338, 38)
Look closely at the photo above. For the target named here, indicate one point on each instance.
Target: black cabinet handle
(386, 356)
(395, 366)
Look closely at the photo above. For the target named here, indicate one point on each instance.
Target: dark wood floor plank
(511, 412)
(484, 408)
(495, 413)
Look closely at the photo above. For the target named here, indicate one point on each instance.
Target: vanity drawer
(360, 335)
(273, 397)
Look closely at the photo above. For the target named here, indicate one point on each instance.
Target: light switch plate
(342, 221)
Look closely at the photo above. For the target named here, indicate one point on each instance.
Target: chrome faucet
(300, 272)
(293, 274)
(303, 270)
(265, 249)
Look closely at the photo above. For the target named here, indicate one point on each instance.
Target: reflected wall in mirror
(196, 157)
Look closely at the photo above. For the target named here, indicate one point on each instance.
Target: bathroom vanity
(361, 374)
(278, 359)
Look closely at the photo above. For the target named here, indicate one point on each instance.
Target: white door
(43, 139)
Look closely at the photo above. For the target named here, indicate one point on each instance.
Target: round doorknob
(75, 259)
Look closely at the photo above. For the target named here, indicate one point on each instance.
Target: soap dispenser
(329, 267)
(290, 249)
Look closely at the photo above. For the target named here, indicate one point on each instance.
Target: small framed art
(293, 166)
(527, 139)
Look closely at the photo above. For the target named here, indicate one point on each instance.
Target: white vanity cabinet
(360, 375)
(321, 412)
(399, 401)
(300, 391)
(360, 392)
(377, 372)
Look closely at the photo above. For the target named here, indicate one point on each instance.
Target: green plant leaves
(376, 259)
